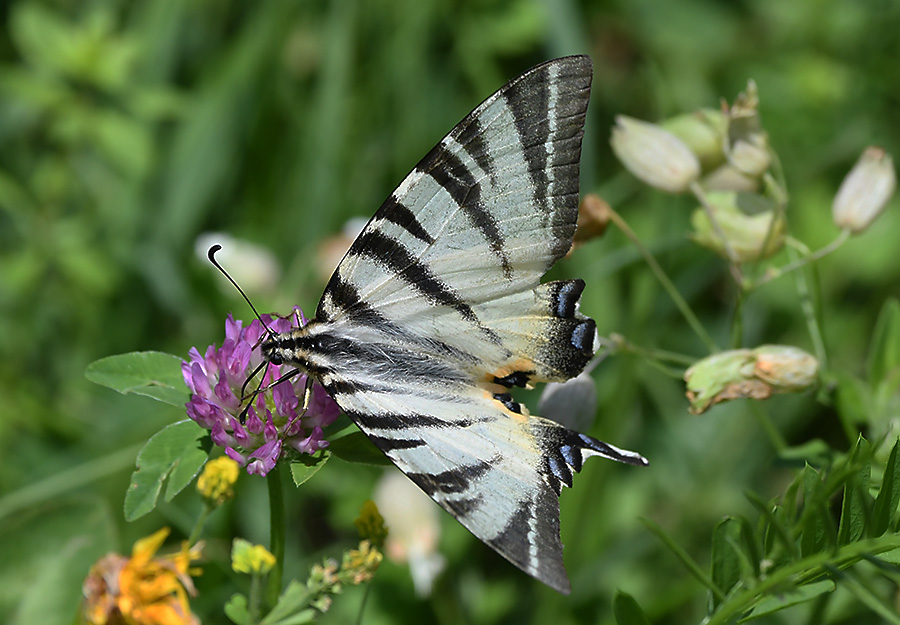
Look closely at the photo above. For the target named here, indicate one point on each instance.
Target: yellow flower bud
(654, 155)
(865, 191)
(249, 558)
(217, 480)
(745, 219)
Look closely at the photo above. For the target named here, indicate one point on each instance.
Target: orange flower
(143, 589)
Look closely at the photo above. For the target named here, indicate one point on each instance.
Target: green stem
(276, 532)
(768, 425)
(255, 598)
(201, 521)
(805, 260)
(737, 321)
(805, 570)
(665, 282)
(362, 605)
(812, 320)
(622, 345)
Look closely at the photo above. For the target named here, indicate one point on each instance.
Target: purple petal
(233, 328)
(286, 400)
(263, 459)
(312, 444)
(237, 457)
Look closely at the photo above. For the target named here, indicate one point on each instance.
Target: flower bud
(370, 524)
(654, 155)
(572, 403)
(748, 144)
(865, 191)
(785, 368)
(414, 528)
(249, 558)
(216, 482)
(745, 219)
(703, 132)
(749, 374)
(728, 178)
(593, 217)
(253, 266)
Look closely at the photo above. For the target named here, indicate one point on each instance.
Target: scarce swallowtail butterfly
(437, 311)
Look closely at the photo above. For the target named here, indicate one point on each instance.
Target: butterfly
(437, 310)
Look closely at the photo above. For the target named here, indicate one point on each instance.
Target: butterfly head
(292, 348)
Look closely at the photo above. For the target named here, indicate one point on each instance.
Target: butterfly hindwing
(437, 310)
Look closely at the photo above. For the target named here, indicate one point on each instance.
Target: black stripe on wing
(453, 481)
(449, 171)
(562, 86)
(395, 212)
(387, 421)
(396, 258)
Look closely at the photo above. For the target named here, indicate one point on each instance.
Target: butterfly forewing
(437, 309)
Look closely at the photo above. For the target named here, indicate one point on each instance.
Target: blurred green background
(128, 129)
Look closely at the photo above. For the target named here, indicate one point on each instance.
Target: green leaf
(153, 374)
(726, 566)
(892, 556)
(815, 529)
(236, 609)
(855, 507)
(356, 447)
(889, 494)
(751, 544)
(884, 348)
(306, 466)
(853, 400)
(175, 445)
(627, 610)
(292, 607)
(785, 599)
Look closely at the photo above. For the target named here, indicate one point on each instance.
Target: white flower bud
(253, 266)
(654, 155)
(572, 403)
(865, 191)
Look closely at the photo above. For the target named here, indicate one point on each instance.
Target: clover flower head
(256, 431)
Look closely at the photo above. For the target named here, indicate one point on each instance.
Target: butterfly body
(437, 311)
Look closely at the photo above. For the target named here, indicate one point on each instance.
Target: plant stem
(812, 320)
(805, 260)
(665, 282)
(253, 601)
(201, 521)
(276, 532)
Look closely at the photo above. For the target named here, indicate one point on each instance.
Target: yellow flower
(249, 558)
(144, 589)
(217, 480)
(359, 565)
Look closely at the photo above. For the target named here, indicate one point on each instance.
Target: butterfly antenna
(211, 255)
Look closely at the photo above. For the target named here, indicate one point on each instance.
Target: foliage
(130, 129)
